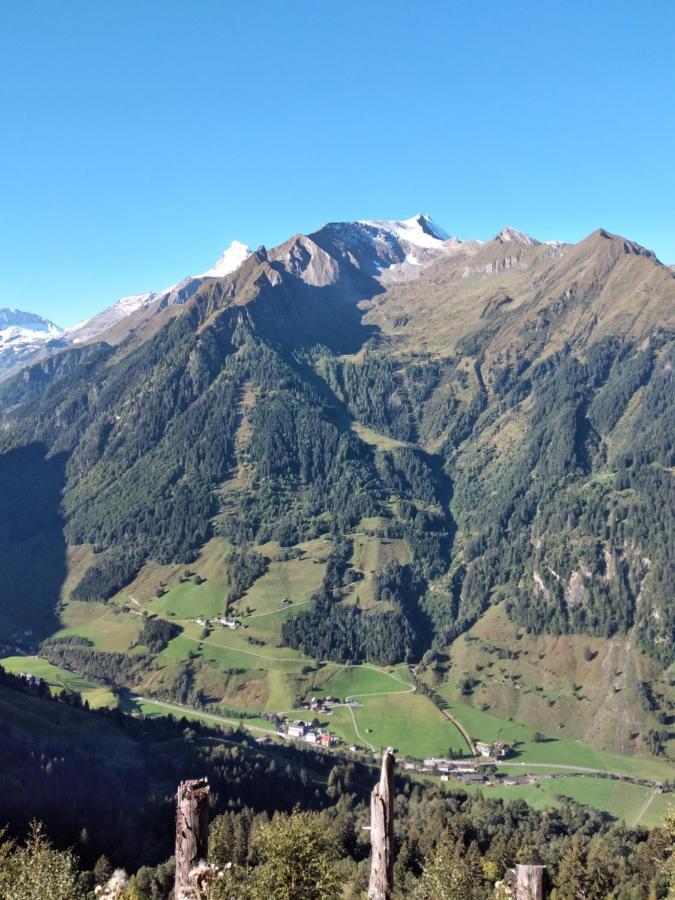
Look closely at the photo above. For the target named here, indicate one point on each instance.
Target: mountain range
(397, 249)
(494, 422)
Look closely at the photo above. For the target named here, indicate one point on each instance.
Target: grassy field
(375, 438)
(349, 681)
(484, 726)
(621, 800)
(408, 722)
(189, 600)
(106, 625)
(371, 554)
(60, 679)
(297, 579)
(250, 655)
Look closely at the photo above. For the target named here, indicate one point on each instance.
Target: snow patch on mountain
(418, 231)
(89, 328)
(389, 250)
(23, 337)
(17, 318)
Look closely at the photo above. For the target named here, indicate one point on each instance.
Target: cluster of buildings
(460, 770)
(325, 706)
(498, 750)
(465, 771)
(302, 731)
(223, 621)
(33, 680)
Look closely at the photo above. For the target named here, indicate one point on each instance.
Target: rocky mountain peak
(512, 235)
(627, 245)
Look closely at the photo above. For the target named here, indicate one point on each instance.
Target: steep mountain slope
(522, 297)
(504, 411)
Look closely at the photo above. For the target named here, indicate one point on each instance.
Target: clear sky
(139, 137)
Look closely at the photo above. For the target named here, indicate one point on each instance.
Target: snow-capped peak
(25, 321)
(23, 336)
(231, 259)
(420, 230)
(510, 234)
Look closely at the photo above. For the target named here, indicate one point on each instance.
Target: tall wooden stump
(382, 832)
(192, 831)
(530, 882)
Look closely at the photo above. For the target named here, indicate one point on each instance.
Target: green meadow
(484, 726)
(634, 804)
(59, 679)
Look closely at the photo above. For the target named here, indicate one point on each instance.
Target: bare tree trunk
(192, 831)
(382, 832)
(530, 882)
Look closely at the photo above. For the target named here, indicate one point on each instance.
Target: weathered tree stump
(382, 832)
(192, 832)
(530, 882)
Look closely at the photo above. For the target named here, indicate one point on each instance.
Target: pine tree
(572, 876)
(453, 873)
(297, 860)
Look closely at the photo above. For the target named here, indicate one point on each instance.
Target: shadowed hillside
(32, 544)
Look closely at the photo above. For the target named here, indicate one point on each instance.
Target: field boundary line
(647, 804)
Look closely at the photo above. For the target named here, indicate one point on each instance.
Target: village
(479, 770)
(474, 771)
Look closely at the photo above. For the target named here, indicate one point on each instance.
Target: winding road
(206, 715)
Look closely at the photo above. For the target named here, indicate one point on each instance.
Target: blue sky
(141, 138)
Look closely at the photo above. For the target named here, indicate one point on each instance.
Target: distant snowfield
(23, 336)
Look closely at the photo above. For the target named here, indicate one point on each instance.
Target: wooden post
(192, 832)
(530, 882)
(382, 832)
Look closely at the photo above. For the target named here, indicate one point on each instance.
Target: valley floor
(243, 676)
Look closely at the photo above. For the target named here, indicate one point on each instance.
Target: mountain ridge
(392, 250)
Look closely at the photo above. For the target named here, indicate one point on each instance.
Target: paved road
(462, 730)
(584, 769)
(207, 715)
